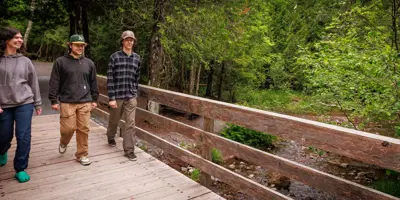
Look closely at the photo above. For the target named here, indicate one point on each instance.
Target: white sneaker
(84, 161)
(62, 148)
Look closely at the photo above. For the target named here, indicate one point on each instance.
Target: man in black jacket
(73, 84)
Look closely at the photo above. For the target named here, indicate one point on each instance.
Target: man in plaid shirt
(122, 84)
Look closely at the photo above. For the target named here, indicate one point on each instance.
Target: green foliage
(111, 21)
(249, 137)
(143, 147)
(216, 156)
(333, 54)
(285, 101)
(296, 23)
(354, 65)
(397, 131)
(389, 172)
(195, 175)
(316, 151)
(388, 186)
(231, 33)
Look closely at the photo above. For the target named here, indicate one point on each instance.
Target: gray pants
(126, 108)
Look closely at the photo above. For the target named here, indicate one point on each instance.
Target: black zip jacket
(73, 80)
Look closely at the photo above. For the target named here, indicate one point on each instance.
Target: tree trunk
(85, 29)
(394, 25)
(75, 11)
(221, 80)
(198, 81)
(192, 78)
(210, 80)
(39, 52)
(47, 51)
(156, 53)
(395, 8)
(29, 27)
(26, 35)
(71, 10)
(182, 77)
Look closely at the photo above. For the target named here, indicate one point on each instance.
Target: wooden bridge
(57, 176)
(110, 176)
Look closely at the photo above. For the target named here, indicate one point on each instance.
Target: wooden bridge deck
(110, 176)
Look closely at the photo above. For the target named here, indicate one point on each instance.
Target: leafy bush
(216, 156)
(249, 137)
(195, 175)
(391, 187)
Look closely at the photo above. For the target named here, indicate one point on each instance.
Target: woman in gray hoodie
(19, 95)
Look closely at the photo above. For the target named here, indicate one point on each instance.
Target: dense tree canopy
(343, 52)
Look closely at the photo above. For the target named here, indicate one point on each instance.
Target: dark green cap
(78, 39)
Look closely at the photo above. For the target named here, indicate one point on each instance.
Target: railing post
(208, 125)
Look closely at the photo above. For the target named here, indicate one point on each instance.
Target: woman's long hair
(7, 33)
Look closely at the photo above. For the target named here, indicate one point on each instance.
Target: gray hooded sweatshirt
(18, 82)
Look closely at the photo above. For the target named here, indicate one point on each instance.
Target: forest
(296, 57)
(310, 58)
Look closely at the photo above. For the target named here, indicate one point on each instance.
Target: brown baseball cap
(128, 34)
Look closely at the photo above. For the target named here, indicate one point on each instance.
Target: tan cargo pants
(126, 108)
(75, 117)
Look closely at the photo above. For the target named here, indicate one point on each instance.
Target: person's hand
(55, 107)
(113, 104)
(1, 110)
(94, 105)
(39, 110)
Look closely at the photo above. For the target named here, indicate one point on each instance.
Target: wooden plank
(52, 148)
(54, 122)
(73, 186)
(135, 190)
(320, 180)
(51, 137)
(208, 125)
(60, 165)
(70, 172)
(78, 180)
(144, 185)
(231, 178)
(176, 190)
(147, 174)
(54, 175)
(187, 192)
(102, 84)
(57, 158)
(207, 196)
(370, 148)
(107, 189)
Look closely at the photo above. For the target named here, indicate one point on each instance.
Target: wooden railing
(369, 148)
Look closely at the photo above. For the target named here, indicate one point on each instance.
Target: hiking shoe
(62, 148)
(131, 156)
(3, 159)
(84, 161)
(112, 143)
(22, 176)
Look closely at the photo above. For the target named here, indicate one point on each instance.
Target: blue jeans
(22, 116)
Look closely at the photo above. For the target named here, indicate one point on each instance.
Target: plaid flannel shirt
(123, 75)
